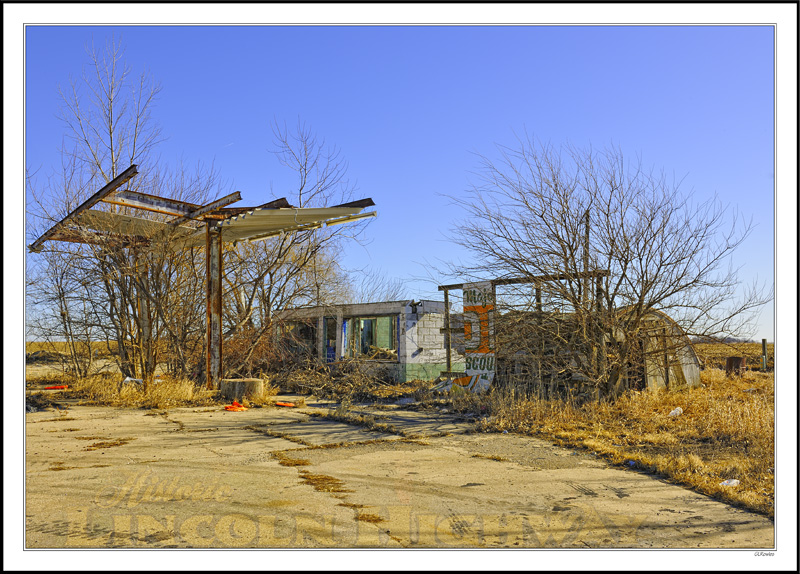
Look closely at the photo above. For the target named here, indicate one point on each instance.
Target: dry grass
(343, 414)
(322, 482)
(726, 431)
(371, 518)
(490, 457)
(101, 445)
(62, 347)
(285, 460)
(165, 392)
(713, 355)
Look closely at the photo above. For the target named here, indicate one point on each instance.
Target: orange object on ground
(285, 405)
(54, 387)
(235, 407)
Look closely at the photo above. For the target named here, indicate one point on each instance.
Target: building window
(372, 338)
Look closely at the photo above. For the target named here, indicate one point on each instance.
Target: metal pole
(447, 328)
(213, 306)
(764, 354)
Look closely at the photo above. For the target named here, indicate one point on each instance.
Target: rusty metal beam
(358, 203)
(112, 185)
(276, 204)
(128, 198)
(537, 279)
(230, 198)
(213, 306)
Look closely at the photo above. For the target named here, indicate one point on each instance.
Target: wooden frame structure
(586, 276)
(192, 225)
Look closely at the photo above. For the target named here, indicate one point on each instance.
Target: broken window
(373, 338)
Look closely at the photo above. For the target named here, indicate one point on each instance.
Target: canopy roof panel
(88, 225)
(263, 223)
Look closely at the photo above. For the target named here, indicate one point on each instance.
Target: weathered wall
(422, 342)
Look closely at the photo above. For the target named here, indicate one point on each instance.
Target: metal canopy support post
(213, 305)
(447, 329)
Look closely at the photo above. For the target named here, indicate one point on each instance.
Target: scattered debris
(235, 406)
(676, 412)
(729, 482)
(282, 404)
(56, 387)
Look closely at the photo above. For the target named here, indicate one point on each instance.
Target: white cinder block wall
(421, 340)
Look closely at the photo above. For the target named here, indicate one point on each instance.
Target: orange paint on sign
(482, 312)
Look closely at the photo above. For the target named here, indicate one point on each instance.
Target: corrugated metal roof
(124, 224)
(254, 224)
(262, 223)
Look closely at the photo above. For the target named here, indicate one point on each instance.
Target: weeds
(109, 443)
(725, 431)
(322, 482)
(164, 392)
(285, 460)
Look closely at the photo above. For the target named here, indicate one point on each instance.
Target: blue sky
(410, 106)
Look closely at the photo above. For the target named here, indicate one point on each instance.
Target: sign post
(479, 308)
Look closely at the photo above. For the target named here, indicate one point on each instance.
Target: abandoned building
(530, 351)
(402, 340)
(529, 360)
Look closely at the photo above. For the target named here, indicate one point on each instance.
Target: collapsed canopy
(86, 225)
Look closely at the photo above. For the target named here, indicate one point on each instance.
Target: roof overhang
(234, 224)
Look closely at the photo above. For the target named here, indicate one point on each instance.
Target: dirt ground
(100, 477)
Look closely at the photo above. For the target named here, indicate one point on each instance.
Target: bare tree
(540, 212)
(290, 269)
(125, 290)
(146, 298)
(375, 285)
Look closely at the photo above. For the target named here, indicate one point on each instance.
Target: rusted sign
(479, 308)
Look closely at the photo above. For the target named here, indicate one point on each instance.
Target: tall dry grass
(726, 431)
(164, 392)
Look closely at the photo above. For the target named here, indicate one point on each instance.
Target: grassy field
(713, 355)
(98, 347)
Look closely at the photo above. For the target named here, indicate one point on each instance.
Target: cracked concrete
(272, 477)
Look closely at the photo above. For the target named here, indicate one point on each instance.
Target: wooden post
(213, 306)
(319, 343)
(600, 333)
(447, 329)
(540, 338)
(586, 280)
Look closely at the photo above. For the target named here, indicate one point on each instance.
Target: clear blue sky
(409, 107)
